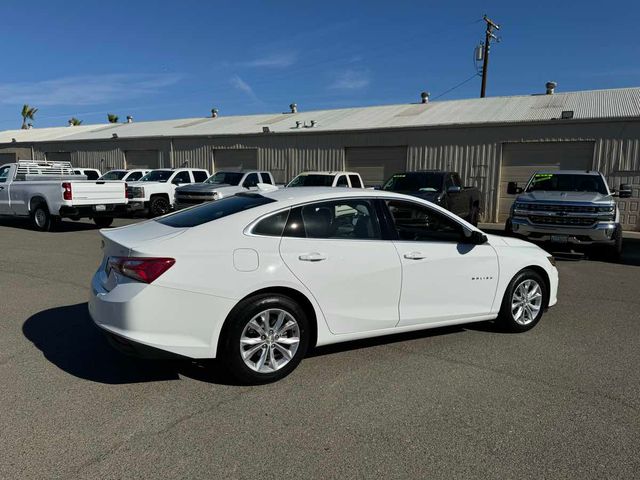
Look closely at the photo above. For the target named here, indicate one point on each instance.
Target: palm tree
(27, 114)
(112, 117)
(73, 121)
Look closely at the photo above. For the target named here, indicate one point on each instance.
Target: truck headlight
(217, 195)
(608, 209)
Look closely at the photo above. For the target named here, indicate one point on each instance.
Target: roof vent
(129, 119)
(551, 87)
(13, 140)
(294, 108)
(424, 96)
(214, 112)
(114, 135)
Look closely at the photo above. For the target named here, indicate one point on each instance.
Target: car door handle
(415, 256)
(312, 257)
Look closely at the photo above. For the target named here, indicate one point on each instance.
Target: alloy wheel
(269, 340)
(526, 302)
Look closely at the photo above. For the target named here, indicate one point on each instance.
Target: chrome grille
(557, 208)
(578, 221)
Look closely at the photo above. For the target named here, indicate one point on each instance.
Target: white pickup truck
(327, 179)
(155, 192)
(48, 191)
(222, 184)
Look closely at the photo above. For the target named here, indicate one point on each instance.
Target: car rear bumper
(599, 233)
(110, 210)
(144, 316)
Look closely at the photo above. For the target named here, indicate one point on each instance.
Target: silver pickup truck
(568, 206)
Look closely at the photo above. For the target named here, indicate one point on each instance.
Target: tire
(41, 219)
(103, 222)
(474, 215)
(517, 320)
(245, 331)
(614, 252)
(159, 206)
(508, 228)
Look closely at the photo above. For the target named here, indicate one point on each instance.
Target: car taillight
(127, 192)
(141, 269)
(67, 194)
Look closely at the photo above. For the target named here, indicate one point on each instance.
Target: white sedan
(259, 278)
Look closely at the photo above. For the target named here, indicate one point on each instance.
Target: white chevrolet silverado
(155, 192)
(327, 179)
(222, 184)
(49, 191)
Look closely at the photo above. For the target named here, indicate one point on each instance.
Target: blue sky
(160, 59)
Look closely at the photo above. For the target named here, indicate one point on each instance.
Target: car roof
(292, 196)
(568, 172)
(326, 172)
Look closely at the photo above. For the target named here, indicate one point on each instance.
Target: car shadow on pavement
(61, 227)
(383, 340)
(68, 338)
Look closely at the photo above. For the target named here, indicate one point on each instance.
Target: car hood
(204, 187)
(559, 197)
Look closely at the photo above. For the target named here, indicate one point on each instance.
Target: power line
(456, 86)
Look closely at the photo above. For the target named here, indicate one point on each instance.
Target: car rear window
(210, 211)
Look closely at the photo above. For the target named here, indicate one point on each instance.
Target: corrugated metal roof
(594, 104)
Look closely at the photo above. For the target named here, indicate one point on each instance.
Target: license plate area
(559, 238)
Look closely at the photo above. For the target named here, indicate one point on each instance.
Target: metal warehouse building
(490, 141)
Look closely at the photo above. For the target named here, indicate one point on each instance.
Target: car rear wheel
(41, 219)
(265, 339)
(524, 302)
(158, 206)
(103, 222)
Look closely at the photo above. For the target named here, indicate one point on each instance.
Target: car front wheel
(266, 338)
(524, 302)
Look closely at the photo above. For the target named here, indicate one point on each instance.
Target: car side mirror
(625, 191)
(513, 188)
(454, 189)
(475, 237)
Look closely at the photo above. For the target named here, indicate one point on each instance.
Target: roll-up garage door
(521, 160)
(58, 156)
(149, 159)
(376, 164)
(235, 159)
(7, 157)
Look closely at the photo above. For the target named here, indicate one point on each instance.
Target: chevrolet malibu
(258, 278)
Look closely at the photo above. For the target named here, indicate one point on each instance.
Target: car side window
(448, 182)
(182, 177)
(342, 181)
(92, 175)
(4, 173)
(199, 176)
(349, 219)
(251, 180)
(271, 226)
(456, 180)
(266, 178)
(419, 223)
(134, 176)
(355, 181)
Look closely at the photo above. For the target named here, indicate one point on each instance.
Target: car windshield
(157, 176)
(567, 182)
(414, 182)
(228, 178)
(210, 211)
(114, 175)
(312, 180)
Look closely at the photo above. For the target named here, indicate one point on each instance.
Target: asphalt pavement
(561, 401)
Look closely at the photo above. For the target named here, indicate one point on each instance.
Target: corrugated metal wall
(473, 151)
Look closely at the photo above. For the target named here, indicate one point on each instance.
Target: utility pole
(487, 44)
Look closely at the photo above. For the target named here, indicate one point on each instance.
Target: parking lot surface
(561, 401)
